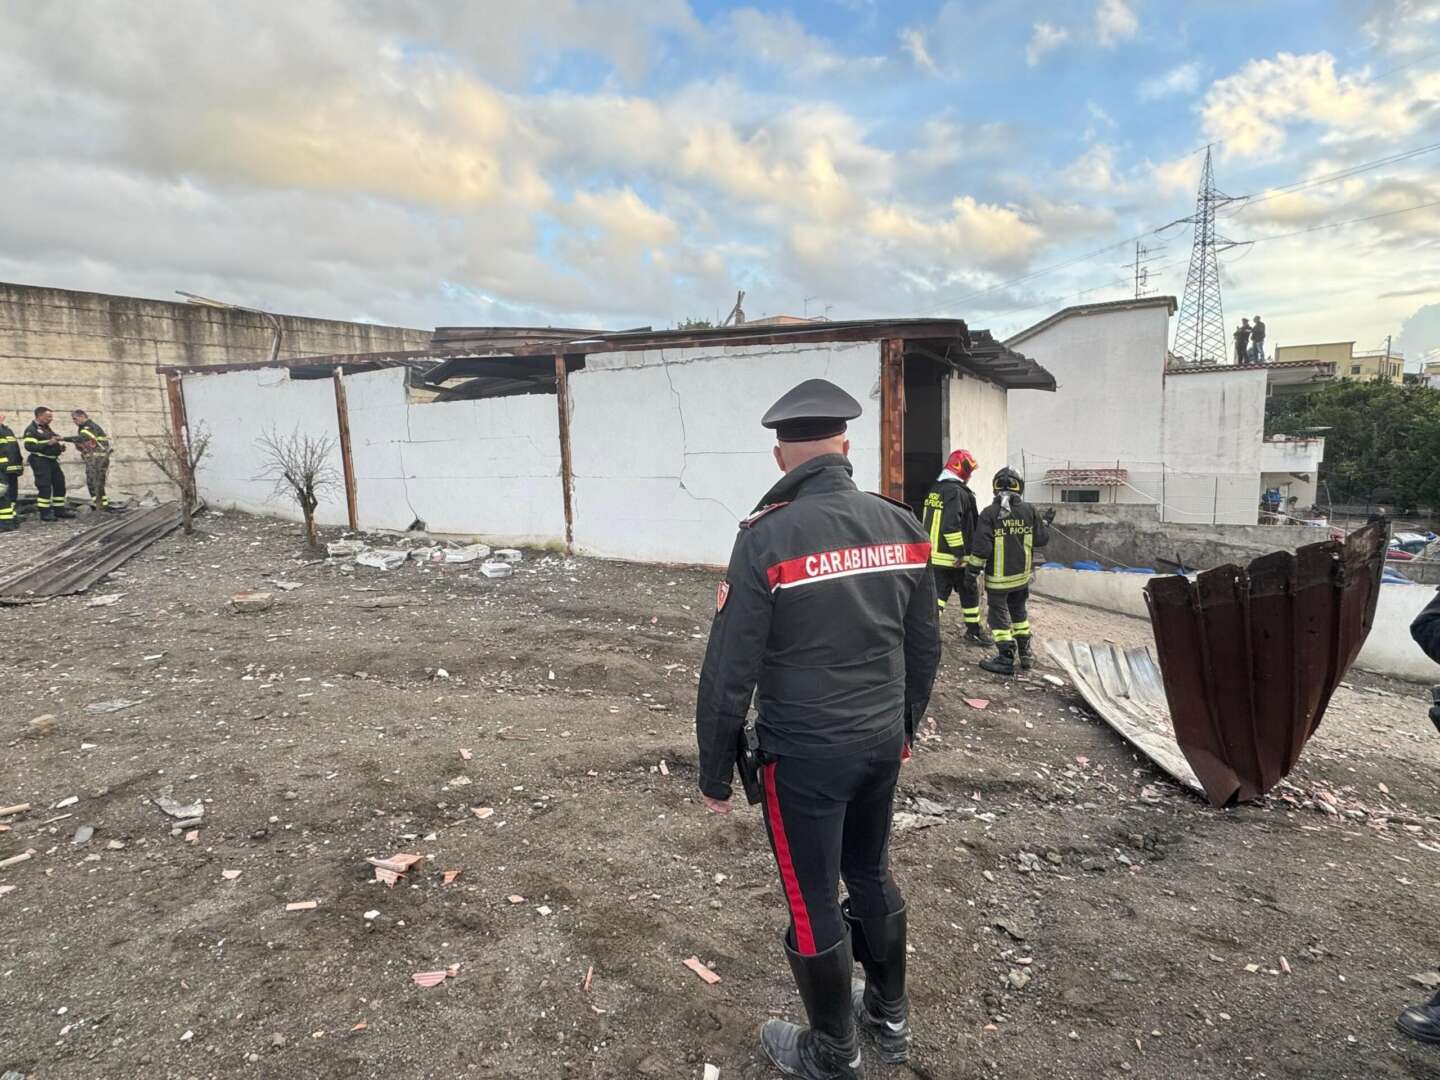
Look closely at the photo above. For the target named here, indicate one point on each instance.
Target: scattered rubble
(251, 602)
(694, 964)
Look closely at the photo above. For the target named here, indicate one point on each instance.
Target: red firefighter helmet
(962, 463)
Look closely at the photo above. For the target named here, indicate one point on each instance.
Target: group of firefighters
(996, 543)
(43, 447)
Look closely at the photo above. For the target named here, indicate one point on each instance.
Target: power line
(1129, 240)
(1329, 178)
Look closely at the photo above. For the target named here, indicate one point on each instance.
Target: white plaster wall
(487, 468)
(1389, 650)
(667, 448)
(1109, 402)
(979, 422)
(1214, 424)
(236, 408)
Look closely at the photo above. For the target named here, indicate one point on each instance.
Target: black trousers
(950, 579)
(9, 494)
(1008, 618)
(830, 819)
(49, 482)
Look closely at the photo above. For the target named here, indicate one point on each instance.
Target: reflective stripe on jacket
(949, 516)
(11, 460)
(36, 441)
(1005, 542)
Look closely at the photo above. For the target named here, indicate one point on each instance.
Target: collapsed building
(643, 445)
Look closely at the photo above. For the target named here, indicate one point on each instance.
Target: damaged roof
(514, 356)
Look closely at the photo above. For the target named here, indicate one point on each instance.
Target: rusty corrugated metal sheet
(1250, 656)
(86, 557)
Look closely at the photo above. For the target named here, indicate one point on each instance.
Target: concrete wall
(1213, 430)
(667, 447)
(1135, 536)
(487, 468)
(97, 352)
(238, 407)
(1389, 650)
(980, 423)
(1110, 400)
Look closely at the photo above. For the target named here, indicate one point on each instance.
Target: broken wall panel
(1250, 656)
(667, 445)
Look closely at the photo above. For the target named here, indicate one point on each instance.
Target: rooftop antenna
(1200, 331)
(737, 314)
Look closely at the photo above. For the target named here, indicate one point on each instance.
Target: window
(1354, 369)
(1080, 495)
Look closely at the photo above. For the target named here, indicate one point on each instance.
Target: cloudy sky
(626, 162)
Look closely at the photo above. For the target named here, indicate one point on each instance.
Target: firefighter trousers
(49, 482)
(9, 495)
(828, 819)
(1008, 617)
(953, 579)
(97, 468)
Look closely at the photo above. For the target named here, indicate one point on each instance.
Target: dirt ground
(1158, 938)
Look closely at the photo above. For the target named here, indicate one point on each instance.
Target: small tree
(299, 465)
(178, 458)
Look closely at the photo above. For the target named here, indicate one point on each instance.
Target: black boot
(9, 525)
(1421, 1021)
(47, 514)
(63, 511)
(829, 1049)
(879, 1001)
(1027, 655)
(1002, 664)
(975, 635)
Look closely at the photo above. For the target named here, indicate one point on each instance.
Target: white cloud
(1115, 22)
(783, 42)
(1181, 80)
(912, 40)
(1403, 27)
(1094, 171)
(1253, 109)
(1044, 38)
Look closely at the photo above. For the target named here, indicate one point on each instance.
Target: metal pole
(567, 477)
(347, 463)
(1215, 503)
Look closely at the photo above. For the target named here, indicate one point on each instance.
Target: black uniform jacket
(91, 432)
(1426, 629)
(37, 441)
(1004, 543)
(828, 612)
(10, 459)
(949, 516)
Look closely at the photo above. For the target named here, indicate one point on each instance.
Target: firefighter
(45, 448)
(94, 446)
(827, 613)
(950, 517)
(1003, 549)
(11, 466)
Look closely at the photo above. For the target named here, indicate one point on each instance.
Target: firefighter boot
(1027, 653)
(879, 1001)
(46, 514)
(1004, 662)
(829, 1049)
(62, 510)
(8, 524)
(975, 635)
(1421, 1021)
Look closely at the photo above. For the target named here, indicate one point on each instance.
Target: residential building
(1430, 374)
(1369, 366)
(1127, 426)
(639, 445)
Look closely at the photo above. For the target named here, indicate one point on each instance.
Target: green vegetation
(1383, 445)
(695, 324)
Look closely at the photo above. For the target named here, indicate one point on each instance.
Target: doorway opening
(926, 403)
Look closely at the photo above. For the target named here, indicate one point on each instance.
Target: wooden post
(179, 424)
(892, 418)
(567, 478)
(347, 463)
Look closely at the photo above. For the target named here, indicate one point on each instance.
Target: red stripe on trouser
(799, 914)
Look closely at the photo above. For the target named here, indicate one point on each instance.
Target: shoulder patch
(893, 502)
(758, 514)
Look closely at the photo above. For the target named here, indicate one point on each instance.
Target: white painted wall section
(1214, 425)
(236, 408)
(668, 452)
(1389, 650)
(979, 422)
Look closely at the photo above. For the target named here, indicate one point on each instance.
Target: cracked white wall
(237, 408)
(487, 468)
(667, 449)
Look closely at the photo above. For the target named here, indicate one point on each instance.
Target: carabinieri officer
(828, 613)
